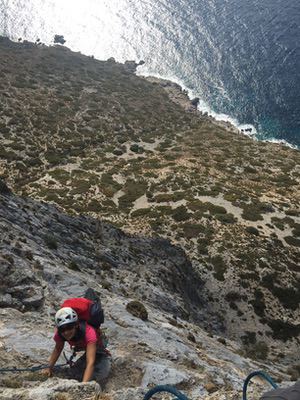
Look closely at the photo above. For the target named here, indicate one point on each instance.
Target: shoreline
(180, 96)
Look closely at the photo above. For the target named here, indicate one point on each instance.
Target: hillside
(47, 256)
(204, 212)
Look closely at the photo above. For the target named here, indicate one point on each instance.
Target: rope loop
(165, 388)
(262, 374)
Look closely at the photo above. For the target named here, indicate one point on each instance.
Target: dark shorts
(101, 370)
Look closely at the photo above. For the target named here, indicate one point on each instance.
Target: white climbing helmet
(65, 315)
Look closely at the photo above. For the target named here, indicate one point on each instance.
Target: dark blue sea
(241, 57)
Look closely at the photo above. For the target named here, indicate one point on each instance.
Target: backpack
(290, 393)
(87, 310)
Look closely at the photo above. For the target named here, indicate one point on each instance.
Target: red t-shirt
(92, 335)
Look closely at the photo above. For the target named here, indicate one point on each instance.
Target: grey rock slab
(162, 374)
(46, 390)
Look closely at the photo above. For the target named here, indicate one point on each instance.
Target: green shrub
(233, 296)
(288, 296)
(60, 175)
(137, 309)
(215, 210)
(118, 152)
(292, 241)
(278, 222)
(136, 148)
(226, 218)
(283, 330)
(80, 187)
(296, 230)
(259, 303)
(249, 338)
(180, 214)
(293, 213)
(133, 190)
(252, 230)
(53, 158)
(219, 267)
(166, 197)
(193, 230)
(141, 212)
(250, 170)
(51, 242)
(94, 206)
(257, 351)
(251, 212)
(203, 246)
(4, 189)
(73, 266)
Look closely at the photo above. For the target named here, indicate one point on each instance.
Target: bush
(249, 338)
(283, 330)
(233, 296)
(166, 197)
(141, 212)
(252, 213)
(94, 206)
(4, 189)
(118, 152)
(226, 218)
(180, 214)
(193, 230)
(51, 242)
(135, 148)
(259, 303)
(252, 230)
(80, 187)
(137, 309)
(292, 213)
(203, 246)
(288, 296)
(257, 351)
(219, 267)
(73, 266)
(292, 241)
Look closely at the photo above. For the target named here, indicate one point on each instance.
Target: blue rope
(31, 369)
(165, 388)
(262, 374)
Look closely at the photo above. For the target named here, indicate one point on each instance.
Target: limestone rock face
(54, 389)
(47, 256)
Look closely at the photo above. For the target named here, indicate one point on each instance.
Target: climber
(81, 336)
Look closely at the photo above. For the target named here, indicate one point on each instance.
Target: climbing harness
(69, 361)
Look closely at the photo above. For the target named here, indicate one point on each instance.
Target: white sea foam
(281, 141)
(246, 129)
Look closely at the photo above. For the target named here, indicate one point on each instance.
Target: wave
(281, 141)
